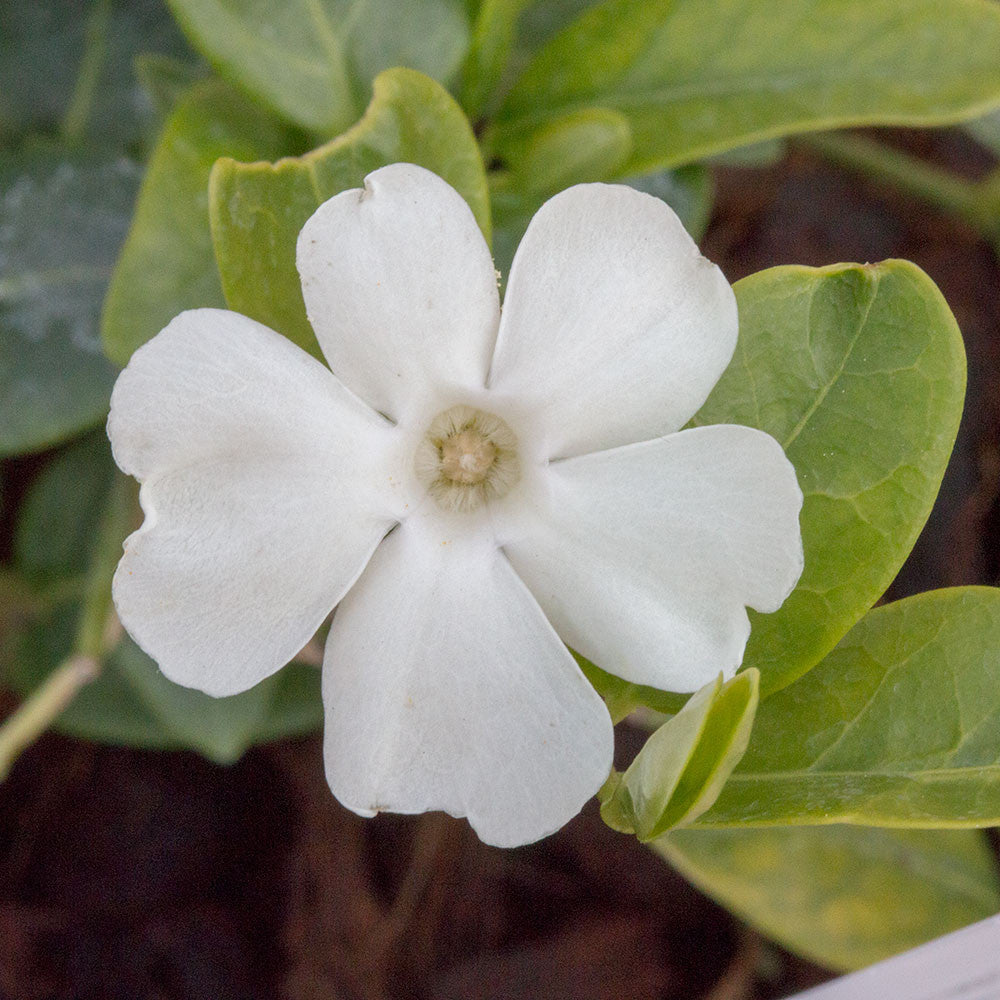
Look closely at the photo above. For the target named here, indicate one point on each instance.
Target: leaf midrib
(805, 773)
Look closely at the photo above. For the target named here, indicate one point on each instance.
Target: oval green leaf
(258, 209)
(313, 60)
(695, 79)
(63, 216)
(898, 726)
(167, 264)
(859, 373)
(842, 896)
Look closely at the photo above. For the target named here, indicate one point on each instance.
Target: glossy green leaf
(313, 60)
(859, 373)
(680, 771)
(258, 209)
(842, 896)
(695, 79)
(63, 217)
(68, 64)
(167, 263)
(898, 726)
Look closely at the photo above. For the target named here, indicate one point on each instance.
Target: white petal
(446, 688)
(643, 557)
(400, 288)
(261, 495)
(613, 323)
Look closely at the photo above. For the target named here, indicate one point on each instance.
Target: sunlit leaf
(842, 896)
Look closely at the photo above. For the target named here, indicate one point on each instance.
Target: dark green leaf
(68, 64)
(132, 704)
(56, 525)
(63, 217)
(167, 264)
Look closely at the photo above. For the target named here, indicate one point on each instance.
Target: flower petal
(400, 288)
(643, 557)
(446, 688)
(613, 324)
(260, 489)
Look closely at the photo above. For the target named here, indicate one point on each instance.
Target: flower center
(467, 457)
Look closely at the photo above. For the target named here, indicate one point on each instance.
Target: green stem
(978, 202)
(96, 635)
(95, 43)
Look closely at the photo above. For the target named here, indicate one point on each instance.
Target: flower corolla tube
(472, 490)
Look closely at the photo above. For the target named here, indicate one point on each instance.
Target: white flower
(469, 490)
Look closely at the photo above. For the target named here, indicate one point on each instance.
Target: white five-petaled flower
(470, 489)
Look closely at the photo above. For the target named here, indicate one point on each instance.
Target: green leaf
(680, 771)
(695, 79)
(898, 726)
(258, 209)
(842, 896)
(68, 64)
(63, 217)
(586, 145)
(222, 729)
(624, 697)
(313, 60)
(859, 373)
(166, 79)
(167, 264)
(132, 704)
(493, 35)
(55, 529)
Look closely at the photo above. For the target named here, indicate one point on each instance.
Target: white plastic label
(964, 965)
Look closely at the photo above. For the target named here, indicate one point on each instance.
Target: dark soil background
(128, 875)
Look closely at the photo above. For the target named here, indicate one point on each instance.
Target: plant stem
(978, 202)
(81, 102)
(46, 703)
(97, 634)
